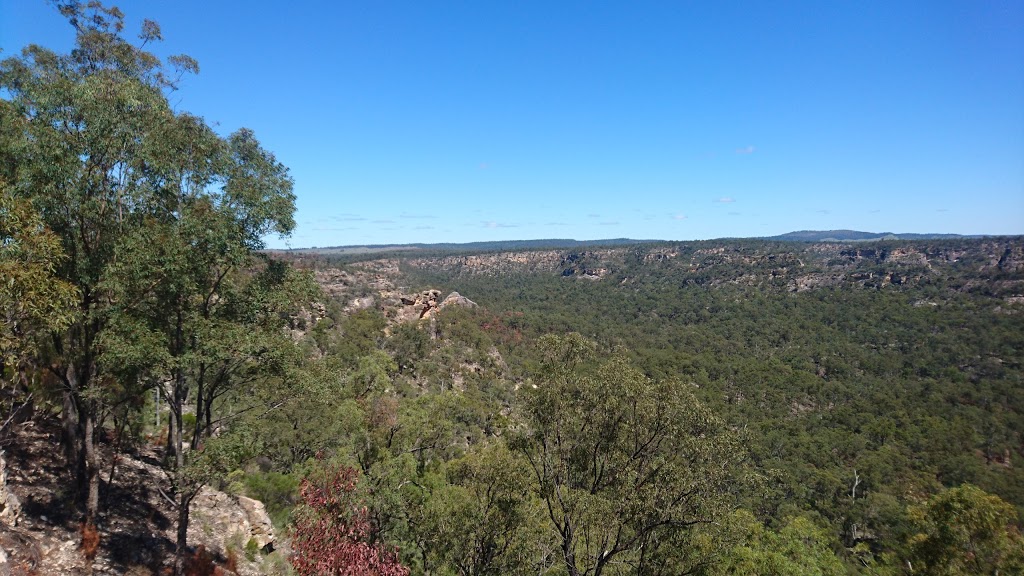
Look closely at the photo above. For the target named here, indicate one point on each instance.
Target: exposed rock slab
(221, 521)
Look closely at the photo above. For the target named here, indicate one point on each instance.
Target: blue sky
(469, 121)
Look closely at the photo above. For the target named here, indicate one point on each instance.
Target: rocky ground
(40, 532)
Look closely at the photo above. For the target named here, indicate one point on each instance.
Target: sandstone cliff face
(1011, 260)
(800, 267)
(456, 299)
(359, 286)
(494, 263)
(580, 263)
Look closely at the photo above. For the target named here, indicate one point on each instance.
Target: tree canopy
(157, 216)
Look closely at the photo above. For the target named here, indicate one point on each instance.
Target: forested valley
(712, 408)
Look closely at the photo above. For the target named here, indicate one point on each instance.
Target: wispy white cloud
(493, 224)
(745, 150)
(382, 222)
(610, 223)
(679, 216)
(725, 200)
(416, 216)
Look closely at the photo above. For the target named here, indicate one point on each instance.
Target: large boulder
(456, 299)
(260, 528)
(220, 521)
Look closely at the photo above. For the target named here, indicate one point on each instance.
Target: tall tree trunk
(72, 434)
(181, 543)
(177, 409)
(201, 414)
(92, 469)
(183, 492)
(208, 427)
(78, 428)
(171, 452)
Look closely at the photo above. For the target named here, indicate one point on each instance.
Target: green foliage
(800, 548)
(278, 492)
(361, 333)
(484, 519)
(214, 462)
(408, 344)
(964, 530)
(622, 462)
(899, 388)
(717, 417)
(372, 374)
(33, 300)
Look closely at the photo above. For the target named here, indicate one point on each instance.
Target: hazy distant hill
(562, 243)
(498, 245)
(855, 236)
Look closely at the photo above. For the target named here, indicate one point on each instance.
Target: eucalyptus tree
(203, 324)
(965, 530)
(156, 213)
(485, 520)
(625, 466)
(84, 120)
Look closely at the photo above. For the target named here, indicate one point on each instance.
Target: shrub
(332, 531)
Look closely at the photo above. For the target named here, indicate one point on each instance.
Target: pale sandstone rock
(10, 506)
(220, 520)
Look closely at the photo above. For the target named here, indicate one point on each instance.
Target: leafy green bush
(278, 492)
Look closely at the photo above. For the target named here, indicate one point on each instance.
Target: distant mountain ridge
(857, 236)
(562, 243)
(489, 246)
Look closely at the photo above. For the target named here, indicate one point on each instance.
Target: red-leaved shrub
(332, 531)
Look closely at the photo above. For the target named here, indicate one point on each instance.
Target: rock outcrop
(423, 305)
(456, 299)
(10, 505)
(136, 529)
(261, 530)
(221, 521)
(418, 306)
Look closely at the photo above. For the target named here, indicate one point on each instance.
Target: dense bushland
(642, 414)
